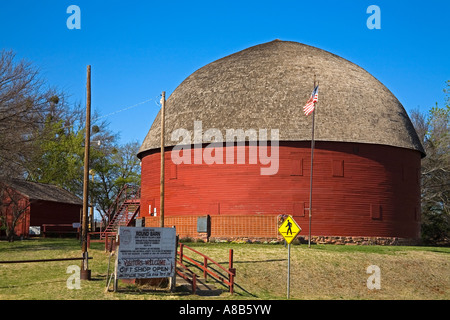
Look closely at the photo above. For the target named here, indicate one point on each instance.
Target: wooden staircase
(189, 267)
(123, 211)
(202, 287)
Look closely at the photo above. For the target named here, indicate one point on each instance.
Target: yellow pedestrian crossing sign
(289, 229)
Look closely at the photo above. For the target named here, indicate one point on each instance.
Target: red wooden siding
(358, 190)
(45, 212)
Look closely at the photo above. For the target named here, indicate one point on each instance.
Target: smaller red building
(34, 204)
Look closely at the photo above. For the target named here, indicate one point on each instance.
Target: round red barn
(238, 149)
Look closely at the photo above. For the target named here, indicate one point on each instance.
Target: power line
(115, 112)
(156, 99)
(124, 109)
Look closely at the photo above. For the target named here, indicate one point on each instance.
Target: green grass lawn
(319, 272)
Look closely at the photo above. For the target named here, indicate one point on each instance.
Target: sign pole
(289, 271)
(289, 229)
(173, 279)
(116, 264)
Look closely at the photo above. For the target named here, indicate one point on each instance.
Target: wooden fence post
(181, 252)
(232, 271)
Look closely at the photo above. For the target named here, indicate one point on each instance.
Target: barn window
(417, 214)
(410, 174)
(173, 172)
(151, 207)
(298, 208)
(214, 208)
(337, 168)
(375, 211)
(297, 167)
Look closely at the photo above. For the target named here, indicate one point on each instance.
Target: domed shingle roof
(266, 87)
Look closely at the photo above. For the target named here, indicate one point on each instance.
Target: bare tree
(13, 208)
(42, 138)
(433, 129)
(24, 103)
(113, 169)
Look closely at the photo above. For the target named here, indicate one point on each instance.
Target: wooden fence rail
(205, 266)
(42, 260)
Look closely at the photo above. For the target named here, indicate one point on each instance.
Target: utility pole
(91, 215)
(161, 206)
(85, 272)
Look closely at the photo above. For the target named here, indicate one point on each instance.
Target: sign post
(145, 253)
(289, 229)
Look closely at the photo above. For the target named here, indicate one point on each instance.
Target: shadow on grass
(140, 289)
(221, 274)
(40, 244)
(31, 284)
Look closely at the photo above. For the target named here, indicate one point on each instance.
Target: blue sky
(137, 49)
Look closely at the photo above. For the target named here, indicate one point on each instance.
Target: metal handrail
(123, 195)
(121, 198)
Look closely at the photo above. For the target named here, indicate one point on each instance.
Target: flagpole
(311, 175)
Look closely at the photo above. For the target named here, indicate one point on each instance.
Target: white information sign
(146, 253)
(34, 230)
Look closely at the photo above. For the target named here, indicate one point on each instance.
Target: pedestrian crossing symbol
(289, 229)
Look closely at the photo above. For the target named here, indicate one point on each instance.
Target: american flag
(309, 107)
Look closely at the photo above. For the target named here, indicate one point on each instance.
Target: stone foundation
(259, 229)
(383, 241)
(337, 240)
